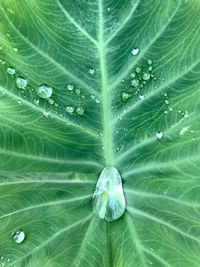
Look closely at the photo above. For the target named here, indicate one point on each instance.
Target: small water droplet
(11, 70)
(149, 61)
(15, 49)
(146, 76)
(44, 91)
(80, 110)
(135, 51)
(166, 101)
(18, 237)
(78, 91)
(21, 82)
(108, 198)
(133, 74)
(91, 71)
(150, 69)
(138, 69)
(159, 135)
(69, 109)
(134, 82)
(97, 101)
(108, 9)
(36, 102)
(51, 101)
(46, 113)
(70, 87)
(125, 96)
(141, 97)
(19, 101)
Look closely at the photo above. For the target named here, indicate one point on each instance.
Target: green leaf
(86, 85)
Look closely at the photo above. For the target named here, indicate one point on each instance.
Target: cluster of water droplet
(138, 79)
(4, 261)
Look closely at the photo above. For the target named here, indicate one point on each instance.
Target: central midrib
(107, 138)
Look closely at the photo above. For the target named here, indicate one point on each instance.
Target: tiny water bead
(70, 87)
(146, 76)
(91, 71)
(108, 199)
(80, 110)
(126, 96)
(18, 237)
(44, 91)
(134, 82)
(159, 135)
(135, 51)
(69, 109)
(11, 70)
(21, 82)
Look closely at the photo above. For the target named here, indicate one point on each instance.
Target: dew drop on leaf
(108, 198)
(78, 91)
(135, 51)
(11, 70)
(135, 82)
(125, 96)
(133, 74)
(141, 97)
(36, 102)
(21, 82)
(18, 237)
(69, 109)
(91, 71)
(146, 76)
(138, 69)
(80, 110)
(159, 135)
(70, 87)
(149, 61)
(51, 101)
(44, 91)
(167, 102)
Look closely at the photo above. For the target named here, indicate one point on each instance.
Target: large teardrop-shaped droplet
(108, 198)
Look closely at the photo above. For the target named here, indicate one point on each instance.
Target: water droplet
(108, 9)
(108, 198)
(138, 69)
(70, 87)
(134, 82)
(11, 70)
(2, 61)
(18, 237)
(97, 101)
(146, 76)
(21, 82)
(91, 71)
(69, 109)
(125, 96)
(36, 102)
(149, 61)
(159, 135)
(141, 97)
(19, 101)
(150, 69)
(133, 74)
(135, 51)
(44, 91)
(15, 49)
(51, 101)
(46, 113)
(184, 130)
(78, 91)
(80, 110)
(166, 101)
